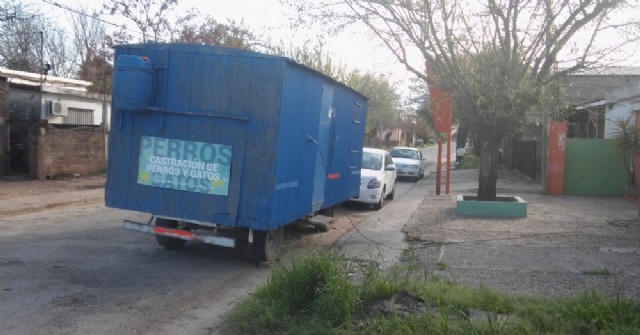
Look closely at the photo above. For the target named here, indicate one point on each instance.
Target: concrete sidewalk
(381, 238)
(29, 196)
(565, 245)
(36, 203)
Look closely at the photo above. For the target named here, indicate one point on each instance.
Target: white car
(377, 178)
(409, 162)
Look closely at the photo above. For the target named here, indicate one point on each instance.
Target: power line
(94, 17)
(6, 16)
(11, 17)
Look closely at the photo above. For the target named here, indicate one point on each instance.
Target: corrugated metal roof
(609, 71)
(35, 79)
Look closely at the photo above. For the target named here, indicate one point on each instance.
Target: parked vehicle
(377, 178)
(222, 144)
(409, 161)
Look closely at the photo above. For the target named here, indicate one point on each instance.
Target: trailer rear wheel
(267, 244)
(168, 242)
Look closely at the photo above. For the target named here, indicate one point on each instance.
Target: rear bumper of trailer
(204, 237)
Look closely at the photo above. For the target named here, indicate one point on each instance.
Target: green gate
(593, 167)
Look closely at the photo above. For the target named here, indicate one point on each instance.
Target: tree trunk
(461, 136)
(488, 178)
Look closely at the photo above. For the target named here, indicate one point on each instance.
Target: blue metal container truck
(222, 144)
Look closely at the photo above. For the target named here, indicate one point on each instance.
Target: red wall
(556, 152)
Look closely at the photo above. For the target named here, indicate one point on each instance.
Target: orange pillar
(448, 178)
(556, 152)
(439, 167)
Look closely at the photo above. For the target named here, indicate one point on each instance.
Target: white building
(59, 100)
(35, 100)
(622, 103)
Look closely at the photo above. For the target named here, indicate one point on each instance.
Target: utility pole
(43, 110)
(104, 90)
(41, 58)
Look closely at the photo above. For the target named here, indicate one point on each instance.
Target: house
(622, 103)
(589, 95)
(591, 165)
(54, 127)
(590, 112)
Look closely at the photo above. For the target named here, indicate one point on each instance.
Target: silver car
(409, 161)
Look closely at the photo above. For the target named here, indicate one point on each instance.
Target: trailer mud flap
(213, 239)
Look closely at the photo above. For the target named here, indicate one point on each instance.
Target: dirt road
(76, 271)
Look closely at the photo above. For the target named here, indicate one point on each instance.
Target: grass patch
(312, 296)
(441, 266)
(597, 272)
(321, 293)
(468, 162)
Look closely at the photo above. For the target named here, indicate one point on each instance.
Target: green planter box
(509, 207)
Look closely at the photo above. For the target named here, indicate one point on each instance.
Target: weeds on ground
(468, 162)
(440, 266)
(597, 272)
(317, 294)
(313, 296)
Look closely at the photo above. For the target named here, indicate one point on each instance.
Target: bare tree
(32, 43)
(151, 17)
(20, 40)
(94, 56)
(497, 57)
(89, 33)
(318, 58)
(97, 68)
(210, 32)
(59, 57)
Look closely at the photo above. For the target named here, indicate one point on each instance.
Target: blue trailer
(222, 144)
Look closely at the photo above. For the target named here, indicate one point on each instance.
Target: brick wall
(62, 150)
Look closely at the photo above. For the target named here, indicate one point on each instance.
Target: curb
(381, 238)
(52, 205)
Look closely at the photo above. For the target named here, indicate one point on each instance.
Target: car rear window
(371, 161)
(404, 153)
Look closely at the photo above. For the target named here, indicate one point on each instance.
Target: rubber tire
(267, 245)
(329, 211)
(392, 194)
(380, 203)
(168, 242)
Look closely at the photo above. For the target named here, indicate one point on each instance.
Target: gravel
(566, 244)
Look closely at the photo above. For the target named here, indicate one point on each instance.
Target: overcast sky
(269, 19)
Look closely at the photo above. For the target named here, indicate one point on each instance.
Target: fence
(524, 158)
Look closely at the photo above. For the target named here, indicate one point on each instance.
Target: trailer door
(325, 145)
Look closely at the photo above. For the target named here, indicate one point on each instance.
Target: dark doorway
(18, 147)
